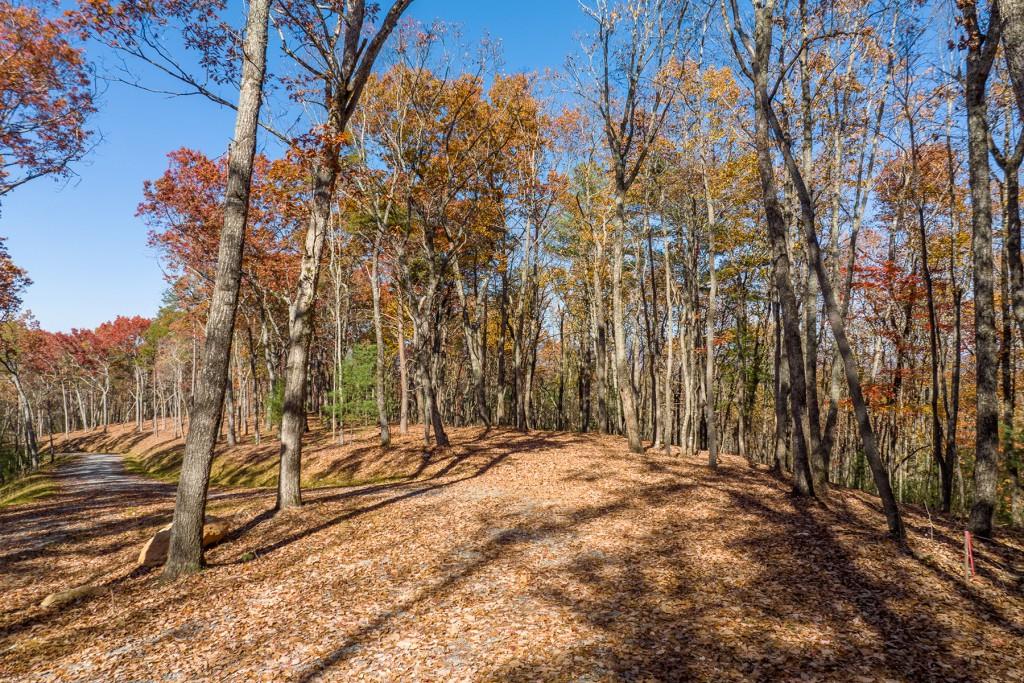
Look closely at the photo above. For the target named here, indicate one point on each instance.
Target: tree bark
(343, 84)
(185, 554)
(599, 335)
(300, 328)
(627, 392)
(980, 55)
(473, 330)
(1012, 14)
(666, 417)
(378, 331)
(781, 394)
(64, 404)
(861, 196)
(709, 337)
(788, 310)
(838, 325)
(938, 442)
(403, 373)
(229, 411)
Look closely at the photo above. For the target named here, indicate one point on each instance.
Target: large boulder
(155, 551)
(59, 599)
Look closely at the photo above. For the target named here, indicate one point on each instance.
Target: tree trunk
(1006, 366)
(431, 414)
(343, 82)
(186, 546)
(255, 386)
(938, 442)
(473, 329)
(64, 404)
(653, 331)
(560, 406)
(1012, 13)
(378, 331)
(403, 374)
(229, 411)
(865, 428)
(838, 325)
(781, 392)
(300, 329)
(627, 392)
(31, 448)
(861, 196)
(789, 314)
(600, 339)
(138, 399)
(709, 335)
(980, 55)
(500, 409)
(666, 417)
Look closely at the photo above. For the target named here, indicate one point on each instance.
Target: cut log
(62, 598)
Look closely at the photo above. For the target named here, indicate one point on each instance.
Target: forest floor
(541, 556)
(252, 465)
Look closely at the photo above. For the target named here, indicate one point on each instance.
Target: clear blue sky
(83, 246)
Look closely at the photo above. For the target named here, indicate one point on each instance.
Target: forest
(784, 231)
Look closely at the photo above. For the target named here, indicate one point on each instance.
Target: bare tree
(755, 55)
(624, 78)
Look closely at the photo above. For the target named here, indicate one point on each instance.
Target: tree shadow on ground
(94, 440)
(468, 464)
(402, 492)
(725, 577)
(87, 522)
(811, 606)
(496, 540)
(672, 625)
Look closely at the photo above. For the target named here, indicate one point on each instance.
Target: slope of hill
(252, 465)
(512, 556)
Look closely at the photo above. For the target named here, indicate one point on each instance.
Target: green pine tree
(354, 402)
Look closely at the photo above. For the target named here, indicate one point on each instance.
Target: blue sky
(81, 243)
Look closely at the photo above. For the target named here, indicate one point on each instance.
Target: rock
(215, 530)
(69, 596)
(155, 551)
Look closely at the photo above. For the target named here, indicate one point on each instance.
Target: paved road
(93, 486)
(103, 475)
(102, 472)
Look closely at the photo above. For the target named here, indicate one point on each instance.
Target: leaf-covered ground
(513, 557)
(250, 464)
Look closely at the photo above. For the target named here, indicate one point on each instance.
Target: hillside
(325, 463)
(541, 556)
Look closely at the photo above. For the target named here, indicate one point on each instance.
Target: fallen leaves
(517, 557)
